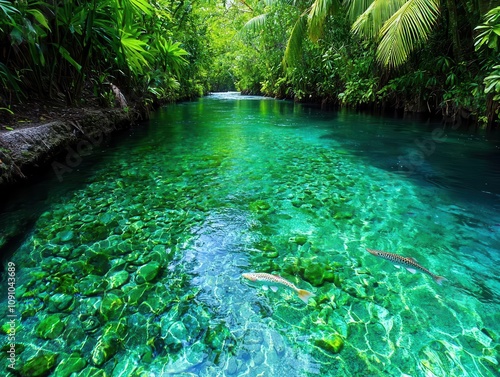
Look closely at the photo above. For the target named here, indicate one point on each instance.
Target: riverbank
(26, 150)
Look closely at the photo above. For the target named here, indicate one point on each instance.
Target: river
(131, 258)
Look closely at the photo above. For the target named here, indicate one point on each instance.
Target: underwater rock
(215, 337)
(117, 279)
(147, 272)
(72, 364)
(137, 295)
(332, 344)
(59, 302)
(39, 365)
(66, 235)
(343, 215)
(313, 273)
(112, 306)
(259, 205)
(118, 328)
(299, 240)
(125, 367)
(106, 347)
(99, 263)
(176, 336)
(92, 285)
(231, 366)
(50, 327)
(91, 371)
(73, 335)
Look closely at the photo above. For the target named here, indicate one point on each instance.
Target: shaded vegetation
(66, 50)
(440, 57)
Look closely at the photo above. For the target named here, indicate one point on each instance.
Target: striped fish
(407, 262)
(274, 280)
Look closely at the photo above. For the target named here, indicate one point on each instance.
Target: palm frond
(372, 19)
(295, 41)
(356, 8)
(405, 30)
(255, 24)
(318, 14)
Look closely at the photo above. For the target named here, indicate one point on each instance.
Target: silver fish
(407, 262)
(273, 280)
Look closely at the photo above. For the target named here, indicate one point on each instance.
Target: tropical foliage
(417, 55)
(59, 49)
(436, 56)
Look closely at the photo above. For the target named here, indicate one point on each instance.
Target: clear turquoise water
(132, 265)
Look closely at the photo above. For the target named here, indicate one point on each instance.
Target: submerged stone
(259, 205)
(59, 302)
(66, 235)
(91, 371)
(112, 306)
(50, 327)
(332, 344)
(39, 365)
(125, 367)
(106, 347)
(72, 364)
(92, 285)
(147, 272)
(313, 273)
(343, 215)
(299, 240)
(117, 279)
(176, 336)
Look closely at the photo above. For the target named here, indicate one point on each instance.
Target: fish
(273, 280)
(409, 263)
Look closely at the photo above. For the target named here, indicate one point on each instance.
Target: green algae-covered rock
(59, 302)
(66, 235)
(332, 344)
(90, 323)
(299, 240)
(50, 327)
(112, 306)
(313, 273)
(39, 365)
(99, 263)
(105, 348)
(74, 334)
(147, 272)
(137, 294)
(117, 279)
(91, 371)
(92, 285)
(72, 364)
(265, 245)
(216, 337)
(343, 215)
(125, 367)
(259, 205)
(176, 335)
(118, 328)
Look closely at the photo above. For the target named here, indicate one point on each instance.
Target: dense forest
(440, 57)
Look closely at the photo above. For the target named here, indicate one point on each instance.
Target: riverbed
(131, 263)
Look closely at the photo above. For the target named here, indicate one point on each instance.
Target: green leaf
(141, 6)
(39, 17)
(67, 56)
(410, 26)
(295, 41)
(318, 14)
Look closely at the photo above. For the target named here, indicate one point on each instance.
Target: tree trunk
(453, 30)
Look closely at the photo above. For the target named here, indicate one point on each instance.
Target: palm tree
(399, 26)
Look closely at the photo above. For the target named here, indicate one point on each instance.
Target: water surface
(131, 266)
